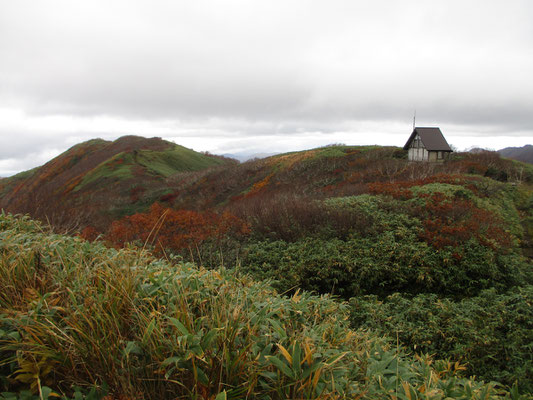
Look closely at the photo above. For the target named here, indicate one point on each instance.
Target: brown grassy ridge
(77, 314)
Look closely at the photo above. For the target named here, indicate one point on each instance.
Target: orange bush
(89, 233)
(450, 222)
(166, 228)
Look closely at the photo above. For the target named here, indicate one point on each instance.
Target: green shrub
(492, 333)
(393, 261)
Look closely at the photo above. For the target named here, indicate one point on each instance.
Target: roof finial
(414, 120)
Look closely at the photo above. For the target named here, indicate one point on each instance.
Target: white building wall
(417, 154)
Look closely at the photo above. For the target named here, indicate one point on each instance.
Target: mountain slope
(326, 172)
(98, 177)
(524, 153)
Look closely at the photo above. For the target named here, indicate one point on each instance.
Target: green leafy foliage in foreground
(76, 314)
(491, 333)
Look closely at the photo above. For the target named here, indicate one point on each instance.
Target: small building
(427, 144)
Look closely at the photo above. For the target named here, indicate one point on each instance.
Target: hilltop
(99, 180)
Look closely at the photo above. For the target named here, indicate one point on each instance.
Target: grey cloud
(27, 142)
(247, 69)
(15, 143)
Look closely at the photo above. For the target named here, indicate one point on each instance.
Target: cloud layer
(228, 74)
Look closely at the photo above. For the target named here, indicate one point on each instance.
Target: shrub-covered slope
(97, 182)
(328, 172)
(457, 240)
(492, 334)
(445, 259)
(451, 235)
(78, 319)
(282, 197)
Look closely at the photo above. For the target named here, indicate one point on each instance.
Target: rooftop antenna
(414, 120)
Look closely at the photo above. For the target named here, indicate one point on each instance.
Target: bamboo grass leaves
(79, 320)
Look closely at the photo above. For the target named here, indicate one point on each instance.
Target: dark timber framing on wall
(427, 144)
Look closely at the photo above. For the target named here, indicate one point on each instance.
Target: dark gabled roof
(432, 138)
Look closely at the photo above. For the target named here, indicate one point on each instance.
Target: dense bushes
(491, 333)
(291, 217)
(402, 250)
(384, 264)
(76, 314)
(449, 250)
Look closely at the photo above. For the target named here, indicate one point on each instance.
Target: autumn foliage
(168, 229)
(89, 233)
(400, 190)
(450, 222)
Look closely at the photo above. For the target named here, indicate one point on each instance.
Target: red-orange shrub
(451, 221)
(399, 190)
(166, 228)
(89, 233)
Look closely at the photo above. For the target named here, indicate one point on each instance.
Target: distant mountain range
(245, 156)
(524, 153)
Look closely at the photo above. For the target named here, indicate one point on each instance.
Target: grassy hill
(327, 172)
(79, 320)
(99, 180)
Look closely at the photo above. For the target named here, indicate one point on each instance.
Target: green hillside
(158, 164)
(79, 320)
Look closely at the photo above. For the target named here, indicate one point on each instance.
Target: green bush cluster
(491, 333)
(387, 257)
(384, 264)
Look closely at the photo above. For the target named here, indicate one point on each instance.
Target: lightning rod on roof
(414, 120)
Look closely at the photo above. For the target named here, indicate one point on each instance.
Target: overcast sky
(233, 76)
